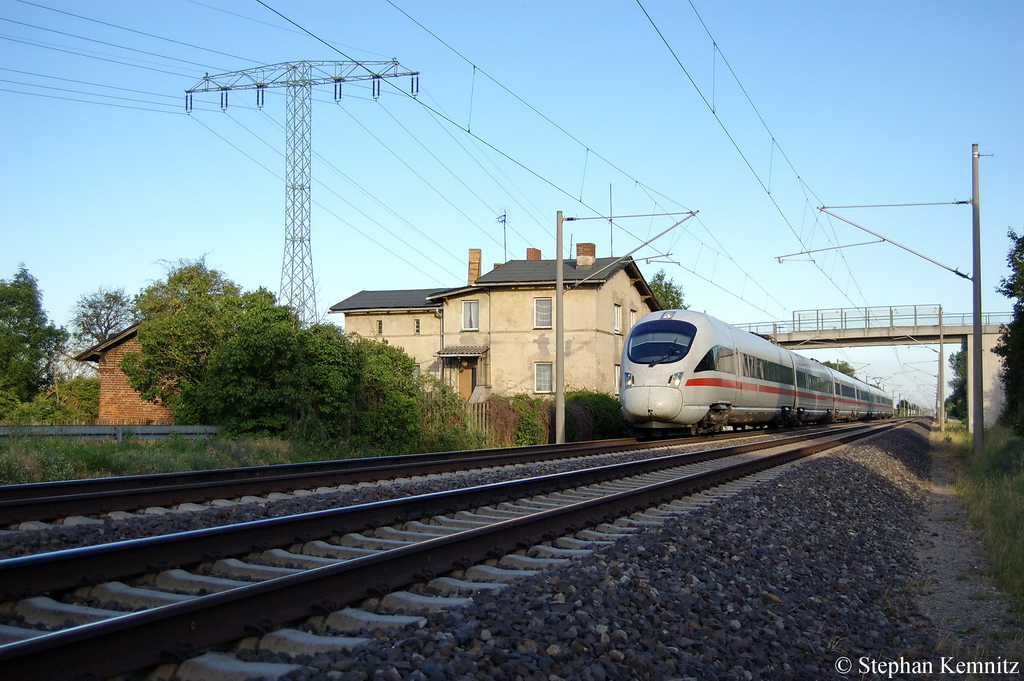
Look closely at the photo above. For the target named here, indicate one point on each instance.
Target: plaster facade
(496, 334)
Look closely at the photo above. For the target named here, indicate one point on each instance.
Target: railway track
(37, 505)
(211, 587)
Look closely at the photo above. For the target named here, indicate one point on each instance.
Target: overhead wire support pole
(978, 412)
(559, 378)
(976, 418)
(298, 286)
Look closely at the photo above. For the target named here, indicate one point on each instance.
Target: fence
(110, 432)
(873, 318)
(477, 415)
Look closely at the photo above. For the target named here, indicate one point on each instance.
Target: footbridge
(901, 325)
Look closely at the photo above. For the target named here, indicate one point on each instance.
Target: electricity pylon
(298, 288)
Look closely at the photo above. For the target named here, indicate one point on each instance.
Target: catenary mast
(298, 287)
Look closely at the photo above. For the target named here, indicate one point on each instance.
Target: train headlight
(675, 379)
(627, 378)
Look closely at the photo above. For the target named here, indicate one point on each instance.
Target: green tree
(1011, 342)
(332, 376)
(388, 408)
(28, 341)
(254, 380)
(99, 315)
(72, 401)
(956, 403)
(842, 367)
(668, 293)
(184, 319)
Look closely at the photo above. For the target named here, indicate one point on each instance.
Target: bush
(388, 407)
(443, 426)
(593, 416)
(73, 401)
(532, 419)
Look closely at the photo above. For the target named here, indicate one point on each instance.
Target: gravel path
(780, 581)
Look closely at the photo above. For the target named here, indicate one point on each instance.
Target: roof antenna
(503, 219)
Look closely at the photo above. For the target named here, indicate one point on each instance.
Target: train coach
(687, 371)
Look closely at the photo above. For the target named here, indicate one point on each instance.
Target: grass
(992, 489)
(38, 459)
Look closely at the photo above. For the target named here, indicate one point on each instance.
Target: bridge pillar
(991, 366)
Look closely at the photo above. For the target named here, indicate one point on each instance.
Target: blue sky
(754, 114)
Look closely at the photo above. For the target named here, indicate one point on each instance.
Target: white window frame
(467, 319)
(632, 318)
(536, 309)
(618, 379)
(537, 388)
(416, 327)
(617, 321)
(380, 327)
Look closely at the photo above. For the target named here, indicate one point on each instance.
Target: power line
(43, 45)
(102, 42)
(132, 30)
(317, 203)
(86, 101)
(588, 149)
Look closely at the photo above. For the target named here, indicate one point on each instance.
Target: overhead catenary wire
(588, 149)
(730, 136)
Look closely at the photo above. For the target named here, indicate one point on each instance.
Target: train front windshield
(660, 341)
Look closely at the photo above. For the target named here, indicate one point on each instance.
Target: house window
(542, 377)
(618, 378)
(542, 313)
(632, 318)
(470, 315)
(618, 319)
(417, 327)
(380, 327)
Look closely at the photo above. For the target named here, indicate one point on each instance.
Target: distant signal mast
(298, 288)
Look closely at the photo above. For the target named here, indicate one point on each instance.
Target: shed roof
(410, 299)
(93, 354)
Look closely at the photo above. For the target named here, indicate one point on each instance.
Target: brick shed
(119, 403)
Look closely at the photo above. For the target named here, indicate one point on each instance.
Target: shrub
(593, 416)
(533, 418)
(442, 425)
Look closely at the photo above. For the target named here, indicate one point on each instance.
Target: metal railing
(110, 432)
(872, 318)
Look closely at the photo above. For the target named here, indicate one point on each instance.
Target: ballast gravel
(60, 537)
(777, 581)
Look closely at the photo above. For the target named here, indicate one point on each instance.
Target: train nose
(647, 403)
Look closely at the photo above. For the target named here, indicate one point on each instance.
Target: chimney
(474, 265)
(585, 255)
(533, 254)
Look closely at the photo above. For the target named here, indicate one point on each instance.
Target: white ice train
(686, 371)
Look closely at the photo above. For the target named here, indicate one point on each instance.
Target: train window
(660, 341)
(718, 358)
(766, 370)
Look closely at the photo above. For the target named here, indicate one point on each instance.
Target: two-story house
(496, 334)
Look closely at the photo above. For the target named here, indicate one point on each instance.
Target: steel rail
(93, 503)
(138, 640)
(43, 572)
(57, 488)
(45, 501)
